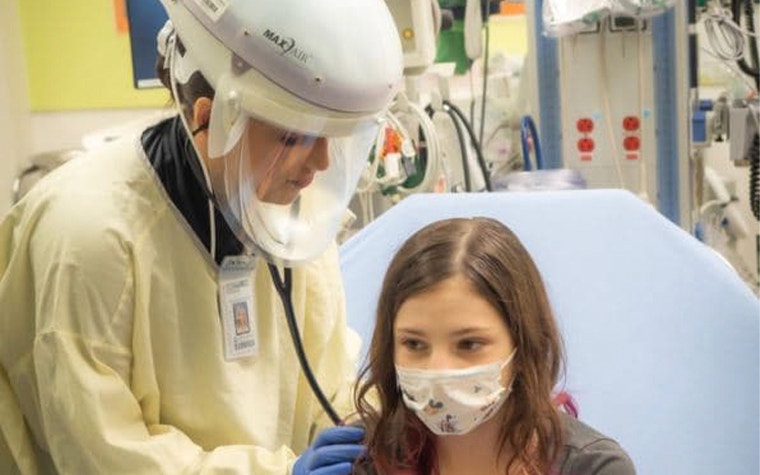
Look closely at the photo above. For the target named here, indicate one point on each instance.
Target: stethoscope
(284, 289)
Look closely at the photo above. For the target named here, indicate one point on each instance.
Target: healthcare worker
(142, 329)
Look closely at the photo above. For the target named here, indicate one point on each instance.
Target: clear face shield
(284, 190)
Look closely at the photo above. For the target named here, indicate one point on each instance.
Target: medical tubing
(754, 176)
(749, 11)
(485, 80)
(752, 70)
(475, 144)
(432, 150)
(284, 289)
(462, 149)
(462, 144)
(527, 126)
(691, 12)
(524, 147)
(693, 44)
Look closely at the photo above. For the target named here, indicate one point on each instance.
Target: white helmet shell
(301, 55)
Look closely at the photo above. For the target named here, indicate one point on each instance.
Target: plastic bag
(567, 17)
(640, 8)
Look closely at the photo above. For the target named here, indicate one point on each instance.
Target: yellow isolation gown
(111, 352)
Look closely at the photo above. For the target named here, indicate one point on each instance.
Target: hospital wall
(14, 109)
(66, 73)
(66, 70)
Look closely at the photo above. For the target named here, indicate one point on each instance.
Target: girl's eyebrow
(459, 332)
(468, 330)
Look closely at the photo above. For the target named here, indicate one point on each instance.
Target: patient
(464, 360)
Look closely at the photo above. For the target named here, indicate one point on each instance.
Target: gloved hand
(333, 453)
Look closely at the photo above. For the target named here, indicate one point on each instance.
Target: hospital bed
(662, 336)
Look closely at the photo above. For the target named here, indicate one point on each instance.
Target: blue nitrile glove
(333, 453)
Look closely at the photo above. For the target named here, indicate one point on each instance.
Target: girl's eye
(412, 344)
(470, 345)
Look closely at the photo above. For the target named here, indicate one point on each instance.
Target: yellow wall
(509, 34)
(77, 58)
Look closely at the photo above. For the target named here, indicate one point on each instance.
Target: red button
(631, 144)
(585, 145)
(631, 123)
(585, 126)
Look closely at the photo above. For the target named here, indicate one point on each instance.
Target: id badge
(237, 306)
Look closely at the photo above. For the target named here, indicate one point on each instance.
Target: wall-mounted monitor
(146, 17)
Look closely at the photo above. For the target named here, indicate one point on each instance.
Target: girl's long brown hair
(500, 269)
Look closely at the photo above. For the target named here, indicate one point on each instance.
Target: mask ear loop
(507, 362)
(171, 52)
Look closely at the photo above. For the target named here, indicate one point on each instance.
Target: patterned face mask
(454, 401)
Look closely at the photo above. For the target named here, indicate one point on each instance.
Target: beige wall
(24, 133)
(14, 108)
(63, 130)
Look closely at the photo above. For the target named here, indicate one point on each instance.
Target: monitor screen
(146, 17)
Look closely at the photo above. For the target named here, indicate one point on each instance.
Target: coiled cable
(725, 36)
(751, 68)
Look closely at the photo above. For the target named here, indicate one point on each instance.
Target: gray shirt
(588, 452)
